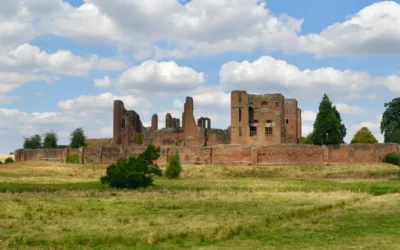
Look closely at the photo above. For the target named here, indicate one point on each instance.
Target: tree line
(328, 127)
(50, 140)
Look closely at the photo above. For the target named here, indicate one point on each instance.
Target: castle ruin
(255, 120)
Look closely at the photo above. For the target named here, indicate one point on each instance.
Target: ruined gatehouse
(255, 120)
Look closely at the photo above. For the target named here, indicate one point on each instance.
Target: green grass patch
(29, 187)
(197, 212)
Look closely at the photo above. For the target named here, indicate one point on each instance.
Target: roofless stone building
(255, 120)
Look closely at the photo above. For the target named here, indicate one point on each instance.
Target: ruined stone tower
(262, 119)
(188, 118)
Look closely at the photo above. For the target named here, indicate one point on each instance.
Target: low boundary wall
(225, 154)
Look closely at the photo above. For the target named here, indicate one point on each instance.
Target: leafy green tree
(395, 137)
(77, 138)
(50, 140)
(390, 118)
(33, 142)
(174, 167)
(308, 139)
(134, 172)
(327, 127)
(365, 136)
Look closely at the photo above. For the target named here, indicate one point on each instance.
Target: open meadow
(47, 205)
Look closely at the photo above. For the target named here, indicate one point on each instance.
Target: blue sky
(63, 62)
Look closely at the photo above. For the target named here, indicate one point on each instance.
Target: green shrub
(77, 138)
(1, 162)
(392, 158)
(308, 139)
(9, 160)
(73, 159)
(134, 172)
(174, 167)
(364, 136)
(33, 142)
(50, 140)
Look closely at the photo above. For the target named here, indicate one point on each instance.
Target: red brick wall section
(227, 154)
(362, 153)
(91, 155)
(338, 153)
(381, 150)
(233, 154)
(191, 155)
(40, 155)
(289, 154)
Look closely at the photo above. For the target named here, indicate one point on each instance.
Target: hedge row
(393, 158)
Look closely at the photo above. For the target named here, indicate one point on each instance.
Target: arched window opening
(240, 114)
(123, 123)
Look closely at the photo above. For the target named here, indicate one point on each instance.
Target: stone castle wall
(225, 154)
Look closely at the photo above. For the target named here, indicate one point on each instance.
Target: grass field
(57, 206)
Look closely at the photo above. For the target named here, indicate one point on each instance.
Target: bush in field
(77, 138)
(50, 140)
(33, 142)
(73, 159)
(393, 158)
(9, 160)
(134, 172)
(365, 136)
(174, 167)
(1, 162)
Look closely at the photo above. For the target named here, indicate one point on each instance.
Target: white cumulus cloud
(160, 77)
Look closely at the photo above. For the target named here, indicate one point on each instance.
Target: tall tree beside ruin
(395, 137)
(309, 139)
(33, 142)
(50, 140)
(77, 138)
(343, 130)
(364, 136)
(327, 127)
(391, 119)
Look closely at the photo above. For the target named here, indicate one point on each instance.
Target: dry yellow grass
(343, 172)
(56, 172)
